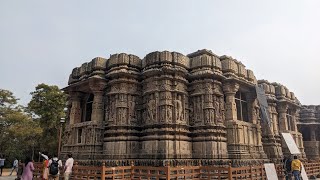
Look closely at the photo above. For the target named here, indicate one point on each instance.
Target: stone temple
(169, 107)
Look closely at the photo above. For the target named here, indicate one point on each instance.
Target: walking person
(287, 167)
(45, 170)
(20, 170)
(14, 166)
(28, 169)
(68, 167)
(296, 167)
(2, 159)
(54, 165)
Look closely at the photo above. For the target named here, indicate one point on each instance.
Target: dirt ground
(5, 175)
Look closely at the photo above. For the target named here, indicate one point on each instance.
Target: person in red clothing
(45, 171)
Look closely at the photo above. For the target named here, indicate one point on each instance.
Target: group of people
(51, 167)
(292, 167)
(14, 166)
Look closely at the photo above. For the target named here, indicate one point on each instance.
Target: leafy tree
(18, 130)
(47, 107)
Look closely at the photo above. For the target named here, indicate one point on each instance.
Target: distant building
(309, 125)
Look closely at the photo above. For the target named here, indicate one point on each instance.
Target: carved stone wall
(81, 137)
(121, 138)
(207, 107)
(165, 114)
(167, 107)
(288, 108)
(271, 137)
(244, 138)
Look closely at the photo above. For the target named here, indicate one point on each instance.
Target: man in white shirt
(68, 167)
(14, 166)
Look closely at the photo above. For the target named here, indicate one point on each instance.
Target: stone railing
(180, 172)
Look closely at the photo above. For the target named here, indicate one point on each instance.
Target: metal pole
(60, 134)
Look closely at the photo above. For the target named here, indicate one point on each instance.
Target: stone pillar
(230, 90)
(75, 112)
(253, 109)
(97, 107)
(282, 112)
(274, 117)
(312, 133)
(295, 116)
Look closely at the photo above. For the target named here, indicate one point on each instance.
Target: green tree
(47, 107)
(18, 130)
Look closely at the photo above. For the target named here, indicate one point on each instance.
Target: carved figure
(112, 109)
(123, 115)
(132, 111)
(198, 110)
(207, 116)
(88, 136)
(222, 109)
(169, 114)
(179, 110)
(151, 109)
(163, 114)
(217, 109)
(98, 136)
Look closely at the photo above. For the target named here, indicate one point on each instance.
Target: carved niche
(151, 109)
(179, 108)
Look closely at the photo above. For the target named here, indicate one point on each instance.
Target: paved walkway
(5, 175)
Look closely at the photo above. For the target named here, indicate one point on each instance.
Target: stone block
(242, 72)
(165, 57)
(76, 73)
(98, 63)
(228, 65)
(84, 69)
(250, 75)
(180, 60)
(135, 61)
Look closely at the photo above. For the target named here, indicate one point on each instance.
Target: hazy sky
(42, 41)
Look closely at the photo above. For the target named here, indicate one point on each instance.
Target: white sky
(42, 41)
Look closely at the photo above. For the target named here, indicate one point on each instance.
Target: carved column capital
(97, 85)
(230, 87)
(98, 93)
(282, 108)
